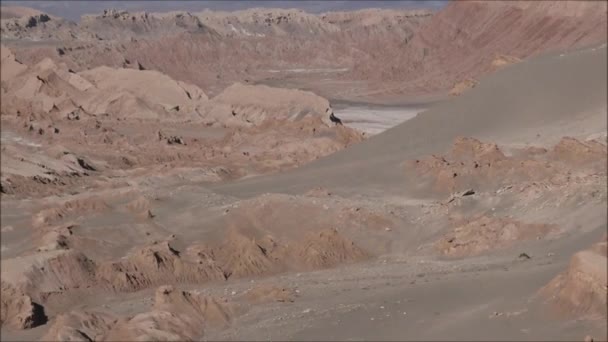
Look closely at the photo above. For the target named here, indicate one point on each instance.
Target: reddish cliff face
(463, 39)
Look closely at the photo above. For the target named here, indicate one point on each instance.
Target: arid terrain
(273, 174)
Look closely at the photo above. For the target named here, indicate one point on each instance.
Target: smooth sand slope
(519, 102)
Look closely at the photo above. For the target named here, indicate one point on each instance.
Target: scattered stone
(468, 193)
(73, 116)
(175, 140)
(85, 165)
(524, 256)
(496, 314)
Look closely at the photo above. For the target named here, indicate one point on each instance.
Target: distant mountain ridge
(393, 51)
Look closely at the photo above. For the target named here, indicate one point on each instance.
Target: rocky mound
(259, 253)
(272, 213)
(256, 104)
(477, 165)
(485, 233)
(504, 60)
(54, 89)
(48, 272)
(318, 191)
(140, 207)
(85, 205)
(581, 289)
(463, 86)
(151, 87)
(176, 316)
(245, 256)
(270, 293)
(281, 144)
(10, 67)
(571, 151)
(153, 265)
(327, 249)
(59, 266)
(18, 311)
(25, 171)
(207, 310)
(80, 326)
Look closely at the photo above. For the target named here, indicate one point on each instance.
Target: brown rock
(18, 311)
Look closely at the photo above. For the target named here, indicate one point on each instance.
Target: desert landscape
(274, 174)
